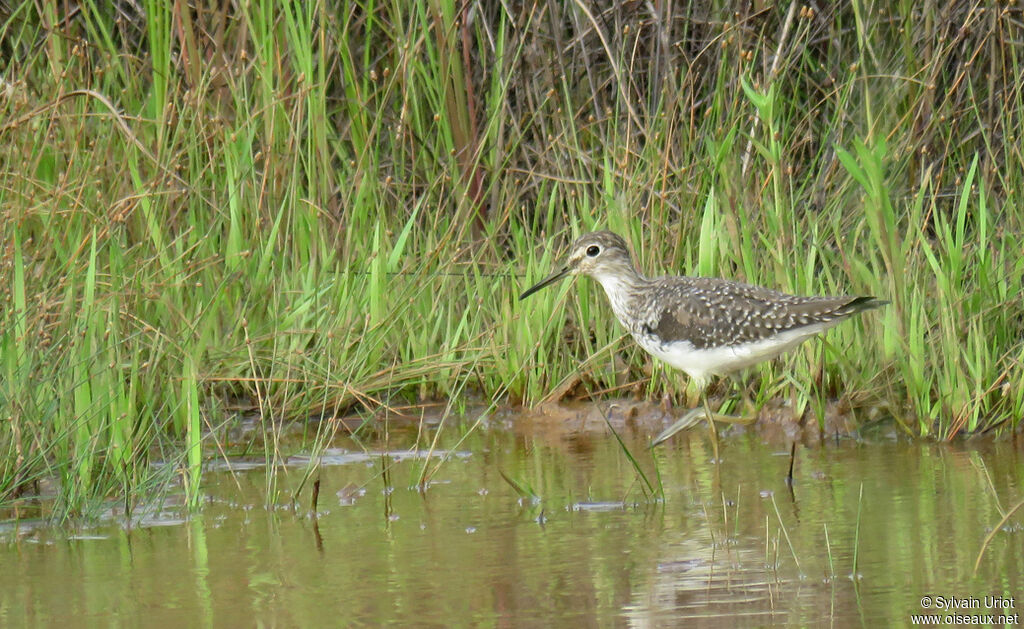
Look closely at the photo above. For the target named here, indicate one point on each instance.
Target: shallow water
(869, 529)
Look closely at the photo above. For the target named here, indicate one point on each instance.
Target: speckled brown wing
(685, 319)
(712, 312)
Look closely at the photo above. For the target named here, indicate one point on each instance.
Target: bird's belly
(701, 364)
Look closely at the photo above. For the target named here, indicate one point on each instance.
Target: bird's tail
(860, 304)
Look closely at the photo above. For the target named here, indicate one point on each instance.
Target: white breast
(618, 296)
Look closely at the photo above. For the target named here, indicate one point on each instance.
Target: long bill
(547, 281)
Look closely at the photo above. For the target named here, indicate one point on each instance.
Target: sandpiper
(705, 326)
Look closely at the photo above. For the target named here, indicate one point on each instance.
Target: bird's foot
(694, 416)
(691, 418)
(744, 420)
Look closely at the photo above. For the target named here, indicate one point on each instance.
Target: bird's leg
(694, 415)
(734, 419)
(703, 411)
(711, 424)
(748, 404)
(689, 419)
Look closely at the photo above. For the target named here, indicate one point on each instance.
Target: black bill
(547, 281)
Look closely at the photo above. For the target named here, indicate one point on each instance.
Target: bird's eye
(593, 250)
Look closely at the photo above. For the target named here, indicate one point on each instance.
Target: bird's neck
(622, 284)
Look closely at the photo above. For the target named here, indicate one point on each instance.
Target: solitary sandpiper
(705, 326)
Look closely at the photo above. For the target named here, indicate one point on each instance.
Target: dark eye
(593, 250)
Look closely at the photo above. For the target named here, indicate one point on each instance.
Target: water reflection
(867, 530)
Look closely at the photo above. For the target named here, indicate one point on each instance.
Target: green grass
(301, 209)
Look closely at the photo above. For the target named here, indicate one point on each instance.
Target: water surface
(869, 529)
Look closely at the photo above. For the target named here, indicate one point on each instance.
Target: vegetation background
(304, 208)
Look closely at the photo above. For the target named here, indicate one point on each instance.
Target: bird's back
(713, 312)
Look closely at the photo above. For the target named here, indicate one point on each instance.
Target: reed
(303, 208)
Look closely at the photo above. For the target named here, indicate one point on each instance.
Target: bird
(703, 326)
